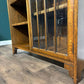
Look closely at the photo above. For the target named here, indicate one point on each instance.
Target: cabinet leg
(72, 72)
(14, 50)
(70, 69)
(75, 80)
(75, 75)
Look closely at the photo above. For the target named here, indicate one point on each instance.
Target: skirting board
(7, 42)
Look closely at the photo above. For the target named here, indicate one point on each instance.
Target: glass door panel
(61, 26)
(40, 5)
(42, 31)
(49, 4)
(49, 25)
(50, 31)
(38, 25)
(34, 24)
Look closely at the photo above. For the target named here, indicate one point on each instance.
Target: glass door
(61, 26)
(52, 26)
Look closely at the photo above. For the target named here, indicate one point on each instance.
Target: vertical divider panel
(45, 24)
(70, 28)
(29, 19)
(37, 23)
(75, 38)
(55, 25)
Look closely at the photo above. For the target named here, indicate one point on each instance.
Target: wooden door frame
(70, 12)
(75, 39)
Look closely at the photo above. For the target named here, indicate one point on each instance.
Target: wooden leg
(70, 69)
(75, 80)
(72, 72)
(75, 74)
(14, 50)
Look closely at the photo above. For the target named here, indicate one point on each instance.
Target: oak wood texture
(21, 25)
(75, 39)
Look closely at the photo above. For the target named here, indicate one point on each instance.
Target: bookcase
(47, 28)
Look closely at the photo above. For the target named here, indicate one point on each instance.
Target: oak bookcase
(47, 28)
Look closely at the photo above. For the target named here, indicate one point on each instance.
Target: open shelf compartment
(24, 46)
(20, 35)
(19, 15)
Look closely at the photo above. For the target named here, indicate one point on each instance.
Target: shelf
(20, 6)
(24, 46)
(19, 24)
(52, 9)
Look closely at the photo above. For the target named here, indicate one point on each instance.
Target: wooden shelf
(24, 46)
(52, 9)
(19, 24)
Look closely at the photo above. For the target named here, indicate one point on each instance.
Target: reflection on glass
(42, 31)
(49, 3)
(50, 31)
(38, 24)
(34, 24)
(61, 28)
(40, 5)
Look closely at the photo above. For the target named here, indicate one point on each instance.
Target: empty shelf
(52, 9)
(19, 24)
(24, 46)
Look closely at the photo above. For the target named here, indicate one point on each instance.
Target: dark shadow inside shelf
(20, 6)
(20, 3)
(23, 29)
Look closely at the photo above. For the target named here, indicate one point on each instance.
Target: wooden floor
(26, 68)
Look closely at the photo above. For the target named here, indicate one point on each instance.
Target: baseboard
(7, 42)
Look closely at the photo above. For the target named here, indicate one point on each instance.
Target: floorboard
(27, 68)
